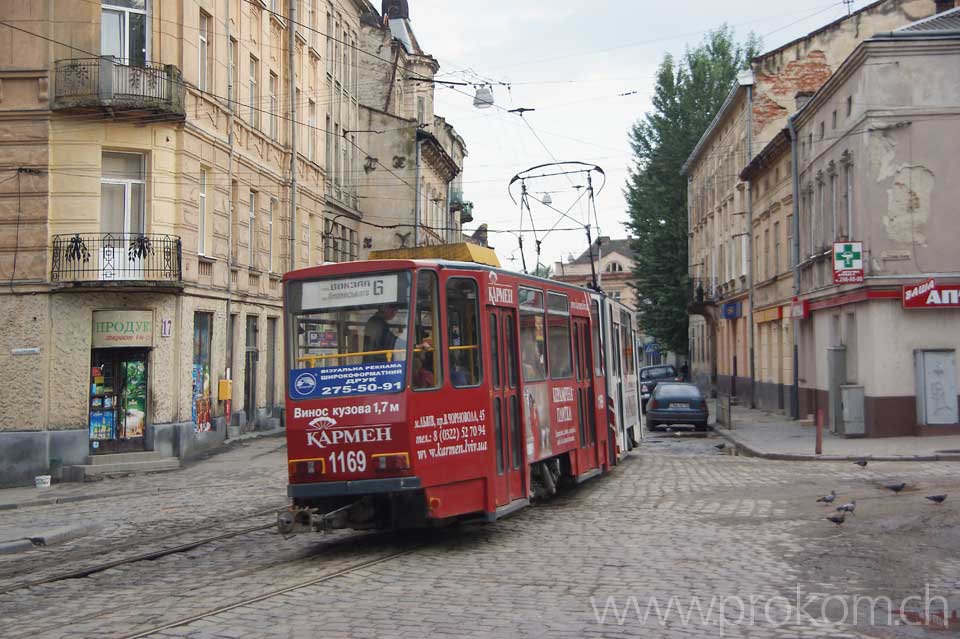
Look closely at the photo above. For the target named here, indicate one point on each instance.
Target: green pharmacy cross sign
(848, 263)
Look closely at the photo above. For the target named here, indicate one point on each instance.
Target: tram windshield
(348, 335)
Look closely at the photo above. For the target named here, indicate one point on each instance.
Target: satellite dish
(484, 97)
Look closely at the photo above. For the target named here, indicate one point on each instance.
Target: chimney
(945, 5)
(802, 98)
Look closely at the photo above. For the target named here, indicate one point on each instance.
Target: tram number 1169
(354, 461)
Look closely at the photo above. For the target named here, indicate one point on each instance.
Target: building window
(206, 60)
(124, 31)
(123, 194)
(849, 105)
(790, 251)
(252, 229)
(202, 404)
(312, 23)
(312, 131)
(614, 267)
(233, 79)
(834, 118)
(463, 332)
(274, 104)
(823, 130)
(328, 151)
(202, 214)
(766, 253)
(272, 216)
(777, 265)
(254, 93)
(833, 206)
(330, 33)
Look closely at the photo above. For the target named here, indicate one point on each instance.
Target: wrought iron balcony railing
(703, 290)
(104, 83)
(106, 257)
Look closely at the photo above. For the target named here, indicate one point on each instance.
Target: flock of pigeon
(851, 506)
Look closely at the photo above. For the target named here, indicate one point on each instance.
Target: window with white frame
(205, 69)
(312, 131)
(233, 72)
(272, 215)
(848, 199)
(330, 33)
(125, 32)
(328, 152)
(123, 194)
(274, 106)
(202, 214)
(252, 230)
(254, 93)
(312, 23)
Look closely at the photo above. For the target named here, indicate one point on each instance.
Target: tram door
(586, 412)
(505, 409)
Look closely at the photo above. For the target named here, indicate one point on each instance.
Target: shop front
(119, 368)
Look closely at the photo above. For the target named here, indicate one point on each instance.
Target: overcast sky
(571, 60)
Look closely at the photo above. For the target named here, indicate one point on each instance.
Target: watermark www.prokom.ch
(805, 609)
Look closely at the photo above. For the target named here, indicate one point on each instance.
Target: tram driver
(378, 337)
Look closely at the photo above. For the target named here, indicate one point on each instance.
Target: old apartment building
(162, 163)
(721, 208)
(413, 171)
(877, 188)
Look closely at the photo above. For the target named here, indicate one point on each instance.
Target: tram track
(275, 593)
(80, 573)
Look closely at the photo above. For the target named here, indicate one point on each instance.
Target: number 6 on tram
(422, 392)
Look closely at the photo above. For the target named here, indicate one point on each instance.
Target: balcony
(104, 85)
(124, 258)
(459, 205)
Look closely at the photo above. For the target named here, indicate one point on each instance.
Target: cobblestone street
(680, 523)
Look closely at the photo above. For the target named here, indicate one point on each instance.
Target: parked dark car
(675, 403)
(650, 376)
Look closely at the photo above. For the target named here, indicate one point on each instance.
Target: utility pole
(795, 255)
(291, 66)
(750, 265)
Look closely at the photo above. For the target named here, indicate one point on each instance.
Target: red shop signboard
(931, 295)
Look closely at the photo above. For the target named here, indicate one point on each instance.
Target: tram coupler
(297, 519)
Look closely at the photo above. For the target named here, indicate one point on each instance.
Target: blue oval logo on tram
(305, 384)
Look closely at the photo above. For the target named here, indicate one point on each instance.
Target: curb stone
(19, 545)
(749, 451)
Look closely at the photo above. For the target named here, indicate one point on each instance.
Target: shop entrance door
(250, 370)
(118, 400)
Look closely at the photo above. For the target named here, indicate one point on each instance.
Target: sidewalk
(761, 434)
(122, 486)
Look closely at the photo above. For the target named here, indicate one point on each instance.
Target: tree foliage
(689, 93)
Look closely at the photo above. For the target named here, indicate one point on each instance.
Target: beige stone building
(412, 183)
(878, 188)
(770, 178)
(720, 209)
(162, 163)
(613, 263)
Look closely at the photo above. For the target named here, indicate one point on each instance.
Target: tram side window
(463, 332)
(533, 353)
(426, 360)
(558, 336)
(597, 346)
(627, 343)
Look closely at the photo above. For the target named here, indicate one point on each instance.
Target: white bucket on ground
(42, 481)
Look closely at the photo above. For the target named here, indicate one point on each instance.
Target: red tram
(428, 391)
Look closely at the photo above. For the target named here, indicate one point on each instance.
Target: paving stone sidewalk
(774, 436)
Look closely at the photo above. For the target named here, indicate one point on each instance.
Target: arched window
(614, 267)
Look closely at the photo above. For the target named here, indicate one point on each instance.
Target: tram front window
(349, 335)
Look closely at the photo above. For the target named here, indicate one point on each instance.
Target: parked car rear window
(677, 390)
(658, 373)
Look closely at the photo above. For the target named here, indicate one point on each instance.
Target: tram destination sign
(351, 291)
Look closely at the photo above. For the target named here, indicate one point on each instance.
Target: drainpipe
(795, 251)
(450, 220)
(291, 66)
(750, 253)
(419, 196)
(231, 93)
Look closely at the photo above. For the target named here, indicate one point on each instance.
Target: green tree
(688, 95)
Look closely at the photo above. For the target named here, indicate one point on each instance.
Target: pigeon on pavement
(848, 508)
(837, 519)
(862, 463)
(896, 487)
(828, 499)
(937, 499)
(720, 446)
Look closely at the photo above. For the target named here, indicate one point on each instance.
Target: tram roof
(377, 266)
